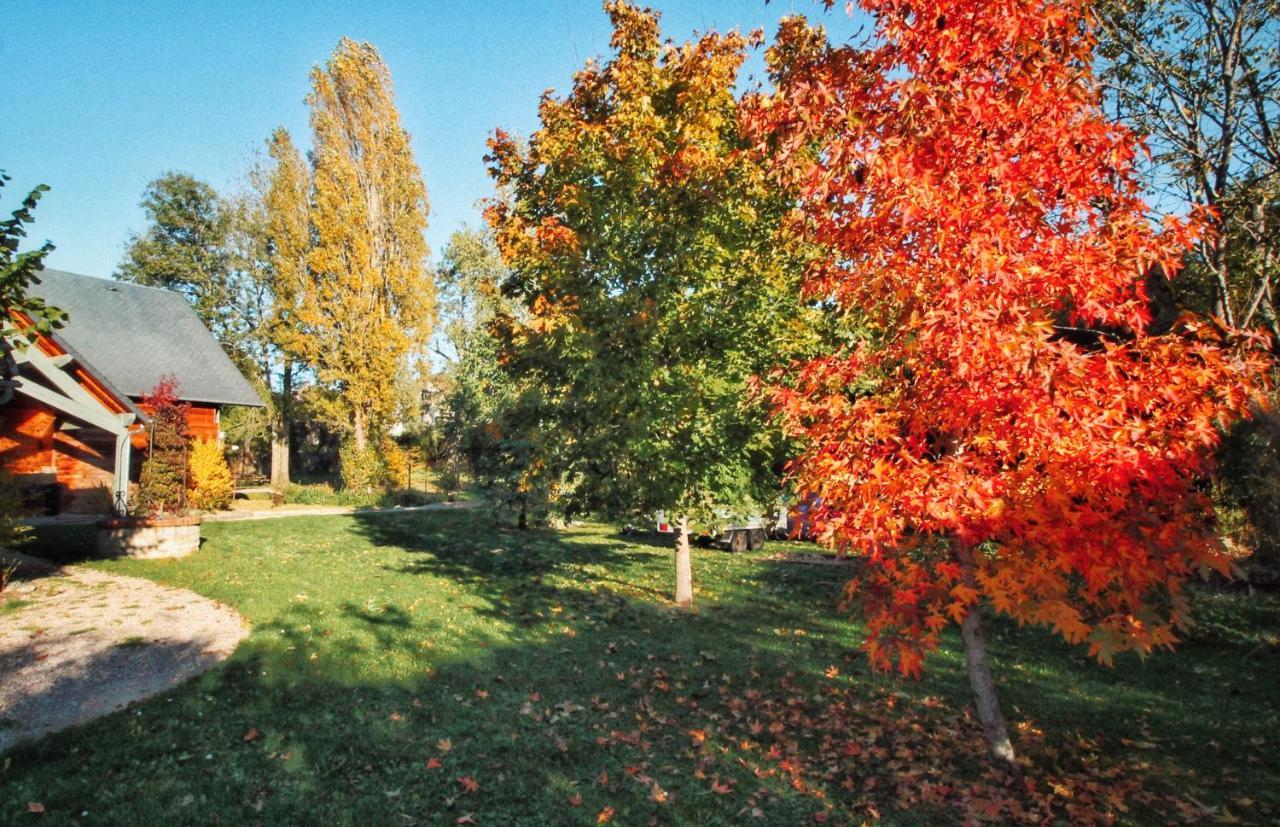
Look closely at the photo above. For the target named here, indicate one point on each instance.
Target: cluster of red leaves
(1010, 430)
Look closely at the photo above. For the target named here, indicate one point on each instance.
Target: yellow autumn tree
(368, 301)
(287, 203)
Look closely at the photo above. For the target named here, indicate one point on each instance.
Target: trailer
(748, 535)
(743, 538)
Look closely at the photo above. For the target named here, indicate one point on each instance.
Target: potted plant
(160, 523)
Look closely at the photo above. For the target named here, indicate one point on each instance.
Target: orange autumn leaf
(468, 783)
(604, 816)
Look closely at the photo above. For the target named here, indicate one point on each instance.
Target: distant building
(70, 405)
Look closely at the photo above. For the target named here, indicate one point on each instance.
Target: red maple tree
(1011, 430)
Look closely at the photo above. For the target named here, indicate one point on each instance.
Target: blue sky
(104, 96)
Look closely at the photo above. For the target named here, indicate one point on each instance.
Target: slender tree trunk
(1221, 291)
(684, 566)
(360, 429)
(984, 688)
(281, 433)
(984, 691)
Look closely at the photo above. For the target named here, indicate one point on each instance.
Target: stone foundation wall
(148, 539)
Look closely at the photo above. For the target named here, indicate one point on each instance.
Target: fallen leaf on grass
(575, 800)
(468, 783)
(252, 735)
(444, 745)
(35, 807)
(434, 763)
(604, 816)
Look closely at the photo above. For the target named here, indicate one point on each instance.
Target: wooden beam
(94, 414)
(47, 367)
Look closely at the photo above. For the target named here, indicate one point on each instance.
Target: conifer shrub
(162, 487)
(212, 487)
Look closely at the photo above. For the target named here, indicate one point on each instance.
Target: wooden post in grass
(684, 566)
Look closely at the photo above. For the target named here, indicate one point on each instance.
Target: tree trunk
(1161, 301)
(360, 429)
(684, 566)
(281, 433)
(984, 691)
(1217, 262)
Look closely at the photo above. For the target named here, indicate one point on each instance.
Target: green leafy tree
(20, 270)
(215, 251)
(477, 415)
(643, 239)
(184, 249)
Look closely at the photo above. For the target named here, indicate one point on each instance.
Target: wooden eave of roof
(82, 372)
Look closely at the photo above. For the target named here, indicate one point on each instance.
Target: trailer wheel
(737, 540)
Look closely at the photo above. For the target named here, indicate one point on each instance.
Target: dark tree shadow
(586, 688)
(87, 688)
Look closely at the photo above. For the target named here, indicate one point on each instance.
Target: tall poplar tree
(287, 203)
(367, 301)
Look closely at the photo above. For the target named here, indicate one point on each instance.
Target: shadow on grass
(62, 544)
(580, 693)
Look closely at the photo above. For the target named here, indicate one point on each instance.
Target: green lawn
(429, 668)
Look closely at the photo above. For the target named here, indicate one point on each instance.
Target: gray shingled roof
(134, 336)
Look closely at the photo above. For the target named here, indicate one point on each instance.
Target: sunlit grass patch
(393, 656)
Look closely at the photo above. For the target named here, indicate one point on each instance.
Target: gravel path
(89, 643)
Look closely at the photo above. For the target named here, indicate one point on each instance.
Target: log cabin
(71, 404)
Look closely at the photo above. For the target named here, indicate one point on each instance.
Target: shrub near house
(211, 485)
